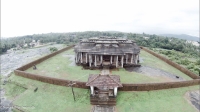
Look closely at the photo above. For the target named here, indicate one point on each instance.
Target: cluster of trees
(152, 41)
(60, 38)
(155, 41)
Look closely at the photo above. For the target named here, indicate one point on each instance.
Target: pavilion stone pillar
(86, 57)
(81, 57)
(95, 59)
(111, 59)
(115, 91)
(92, 90)
(116, 61)
(122, 61)
(132, 59)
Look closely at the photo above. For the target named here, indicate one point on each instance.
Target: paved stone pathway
(98, 108)
(105, 71)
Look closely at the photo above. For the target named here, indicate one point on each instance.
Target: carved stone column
(81, 57)
(126, 58)
(116, 61)
(132, 59)
(110, 59)
(95, 60)
(90, 60)
(122, 61)
(86, 57)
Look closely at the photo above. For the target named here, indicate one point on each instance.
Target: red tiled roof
(104, 81)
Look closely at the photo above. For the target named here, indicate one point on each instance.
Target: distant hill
(182, 36)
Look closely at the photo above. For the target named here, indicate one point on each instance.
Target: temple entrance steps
(98, 108)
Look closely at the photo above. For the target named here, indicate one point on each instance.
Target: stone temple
(107, 51)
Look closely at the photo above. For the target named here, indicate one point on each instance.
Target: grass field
(152, 61)
(50, 98)
(168, 100)
(61, 66)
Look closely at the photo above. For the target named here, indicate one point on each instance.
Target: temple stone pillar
(90, 60)
(81, 57)
(78, 57)
(116, 61)
(110, 59)
(95, 60)
(126, 58)
(122, 61)
(86, 57)
(136, 58)
(75, 57)
(101, 59)
(132, 59)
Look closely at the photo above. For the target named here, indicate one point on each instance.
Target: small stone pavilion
(103, 89)
(107, 51)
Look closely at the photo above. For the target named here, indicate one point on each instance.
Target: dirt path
(193, 97)
(98, 108)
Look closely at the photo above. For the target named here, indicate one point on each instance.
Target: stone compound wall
(126, 87)
(50, 80)
(158, 86)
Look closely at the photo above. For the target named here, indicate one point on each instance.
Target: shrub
(53, 49)
(185, 62)
(190, 66)
(198, 62)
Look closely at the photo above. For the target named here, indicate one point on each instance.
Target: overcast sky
(26, 17)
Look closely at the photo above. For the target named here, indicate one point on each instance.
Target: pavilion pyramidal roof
(104, 81)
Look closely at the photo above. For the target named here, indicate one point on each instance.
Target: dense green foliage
(152, 41)
(186, 60)
(155, 41)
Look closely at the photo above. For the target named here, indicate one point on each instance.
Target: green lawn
(168, 100)
(50, 98)
(60, 66)
(152, 61)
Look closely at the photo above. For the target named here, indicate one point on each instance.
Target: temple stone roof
(106, 45)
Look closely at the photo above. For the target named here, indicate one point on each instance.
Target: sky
(27, 17)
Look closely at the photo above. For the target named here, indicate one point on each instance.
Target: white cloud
(23, 17)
